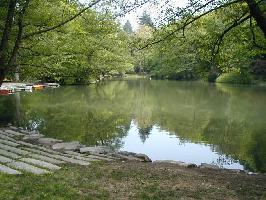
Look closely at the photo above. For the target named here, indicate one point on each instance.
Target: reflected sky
(160, 145)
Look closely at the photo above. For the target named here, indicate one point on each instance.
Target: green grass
(132, 181)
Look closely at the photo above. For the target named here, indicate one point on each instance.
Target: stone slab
(32, 137)
(180, 163)
(28, 168)
(99, 157)
(71, 160)
(5, 137)
(47, 159)
(81, 156)
(143, 157)
(13, 128)
(9, 154)
(209, 166)
(16, 133)
(96, 150)
(4, 159)
(13, 149)
(75, 145)
(7, 142)
(60, 157)
(40, 152)
(8, 170)
(48, 141)
(40, 163)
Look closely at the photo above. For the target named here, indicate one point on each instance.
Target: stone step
(10, 143)
(47, 159)
(8, 170)
(99, 157)
(13, 128)
(71, 160)
(40, 163)
(87, 158)
(13, 149)
(27, 167)
(5, 137)
(15, 133)
(9, 154)
(4, 159)
(38, 147)
(59, 157)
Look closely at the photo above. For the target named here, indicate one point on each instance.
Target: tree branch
(217, 44)
(188, 22)
(62, 23)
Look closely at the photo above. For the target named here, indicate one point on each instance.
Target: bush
(234, 77)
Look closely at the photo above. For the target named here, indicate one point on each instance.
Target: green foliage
(84, 50)
(234, 77)
(193, 53)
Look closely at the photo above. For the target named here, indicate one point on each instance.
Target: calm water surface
(167, 120)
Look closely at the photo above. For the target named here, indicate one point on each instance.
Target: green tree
(145, 20)
(128, 28)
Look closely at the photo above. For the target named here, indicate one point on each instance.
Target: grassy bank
(129, 180)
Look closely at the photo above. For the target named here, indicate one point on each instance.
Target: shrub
(234, 77)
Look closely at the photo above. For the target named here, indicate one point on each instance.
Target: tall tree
(145, 20)
(128, 28)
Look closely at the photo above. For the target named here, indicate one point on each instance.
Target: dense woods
(71, 43)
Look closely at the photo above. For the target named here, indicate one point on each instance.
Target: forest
(70, 42)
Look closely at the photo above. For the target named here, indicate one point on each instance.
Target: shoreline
(90, 174)
(34, 139)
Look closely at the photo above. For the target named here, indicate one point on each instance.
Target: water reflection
(160, 145)
(188, 121)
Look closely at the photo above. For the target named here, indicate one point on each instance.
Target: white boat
(53, 85)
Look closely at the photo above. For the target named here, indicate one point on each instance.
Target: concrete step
(7, 142)
(47, 159)
(5, 137)
(9, 154)
(40, 163)
(27, 167)
(13, 149)
(59, 157)
(14, 133)
(8, 170)
(4, 159)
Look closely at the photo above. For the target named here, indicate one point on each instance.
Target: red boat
(5, 91)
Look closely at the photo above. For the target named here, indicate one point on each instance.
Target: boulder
(180, 163)
(48, 141)
(75, 145)
(138, 156)
(96, 150)
(209, 166)
(32, 137)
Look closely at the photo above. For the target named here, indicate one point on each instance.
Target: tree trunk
(12, 63)
(257, 14)
(2, 76)
(5, 39)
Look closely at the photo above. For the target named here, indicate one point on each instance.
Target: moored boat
(38, 86)
(5, 91)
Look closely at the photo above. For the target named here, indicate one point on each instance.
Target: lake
(193, 122)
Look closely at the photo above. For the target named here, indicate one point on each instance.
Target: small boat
(5, 91)
(38, 87)
(52, 85)
(28, 88)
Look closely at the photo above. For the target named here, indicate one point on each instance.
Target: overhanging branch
(62, 23)
(190, 21)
